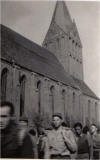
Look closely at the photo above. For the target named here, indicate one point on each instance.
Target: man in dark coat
(95, 136)
(83, 142)
(10, 141)
(25, 135)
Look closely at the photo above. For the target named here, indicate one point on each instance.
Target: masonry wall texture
(53, 80)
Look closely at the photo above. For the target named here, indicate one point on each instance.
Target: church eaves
(85, 89)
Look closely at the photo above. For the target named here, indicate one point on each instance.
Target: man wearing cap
(60, 142)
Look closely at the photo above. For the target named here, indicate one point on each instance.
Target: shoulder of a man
(49, 133)
(68, 131)
(96, 141)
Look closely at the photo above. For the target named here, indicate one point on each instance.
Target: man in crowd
(83, 143)
(60, 142)
(23, 128)
(95, 142)
(10, 141)
(26, 135)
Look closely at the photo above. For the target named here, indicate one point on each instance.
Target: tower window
(73, 100)
(45, 44)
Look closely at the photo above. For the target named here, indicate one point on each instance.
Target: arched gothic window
(52, 98)
(4, 75)
(96, 111)
(73, 101)
(39, 95)
(63, 101)
(22, 94)
(89, 109)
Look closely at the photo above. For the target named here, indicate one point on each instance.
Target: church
(49, 78)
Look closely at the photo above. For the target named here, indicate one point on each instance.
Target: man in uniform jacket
(60, 142)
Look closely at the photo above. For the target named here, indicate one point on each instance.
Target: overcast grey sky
(32, 19)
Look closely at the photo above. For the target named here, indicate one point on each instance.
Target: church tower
(63, 40)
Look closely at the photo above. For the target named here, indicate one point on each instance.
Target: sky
(32, 20)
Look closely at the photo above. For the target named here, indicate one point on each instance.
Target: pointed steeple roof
(75, 32)
(61, 16)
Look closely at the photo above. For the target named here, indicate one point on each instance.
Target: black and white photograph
(50, 79)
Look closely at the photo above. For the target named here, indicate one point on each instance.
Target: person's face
(56, 122)
(5, 117)
(78, 130)
(23, 124)
(93, 129)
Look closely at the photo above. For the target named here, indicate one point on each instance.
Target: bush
(41, 121)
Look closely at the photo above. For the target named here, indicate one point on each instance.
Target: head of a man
(78, 128)
(23, 122)
(6, 114)
(93, 128)
(57, 120)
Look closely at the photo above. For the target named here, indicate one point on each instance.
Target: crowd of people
(58, 142)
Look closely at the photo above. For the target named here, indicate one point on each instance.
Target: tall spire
(63, 40)
(62, 16)
(61, 21)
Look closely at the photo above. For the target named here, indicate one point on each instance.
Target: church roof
(33, 57)
(84, 88)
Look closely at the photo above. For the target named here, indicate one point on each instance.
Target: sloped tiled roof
(84, 88)
(33, 57)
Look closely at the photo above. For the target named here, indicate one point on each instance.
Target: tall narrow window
(96, 111)
(22, 94)
(52, 98)
(4, 75)
(89, 109)
(73, 101)
(39, 95)
(63, 101)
